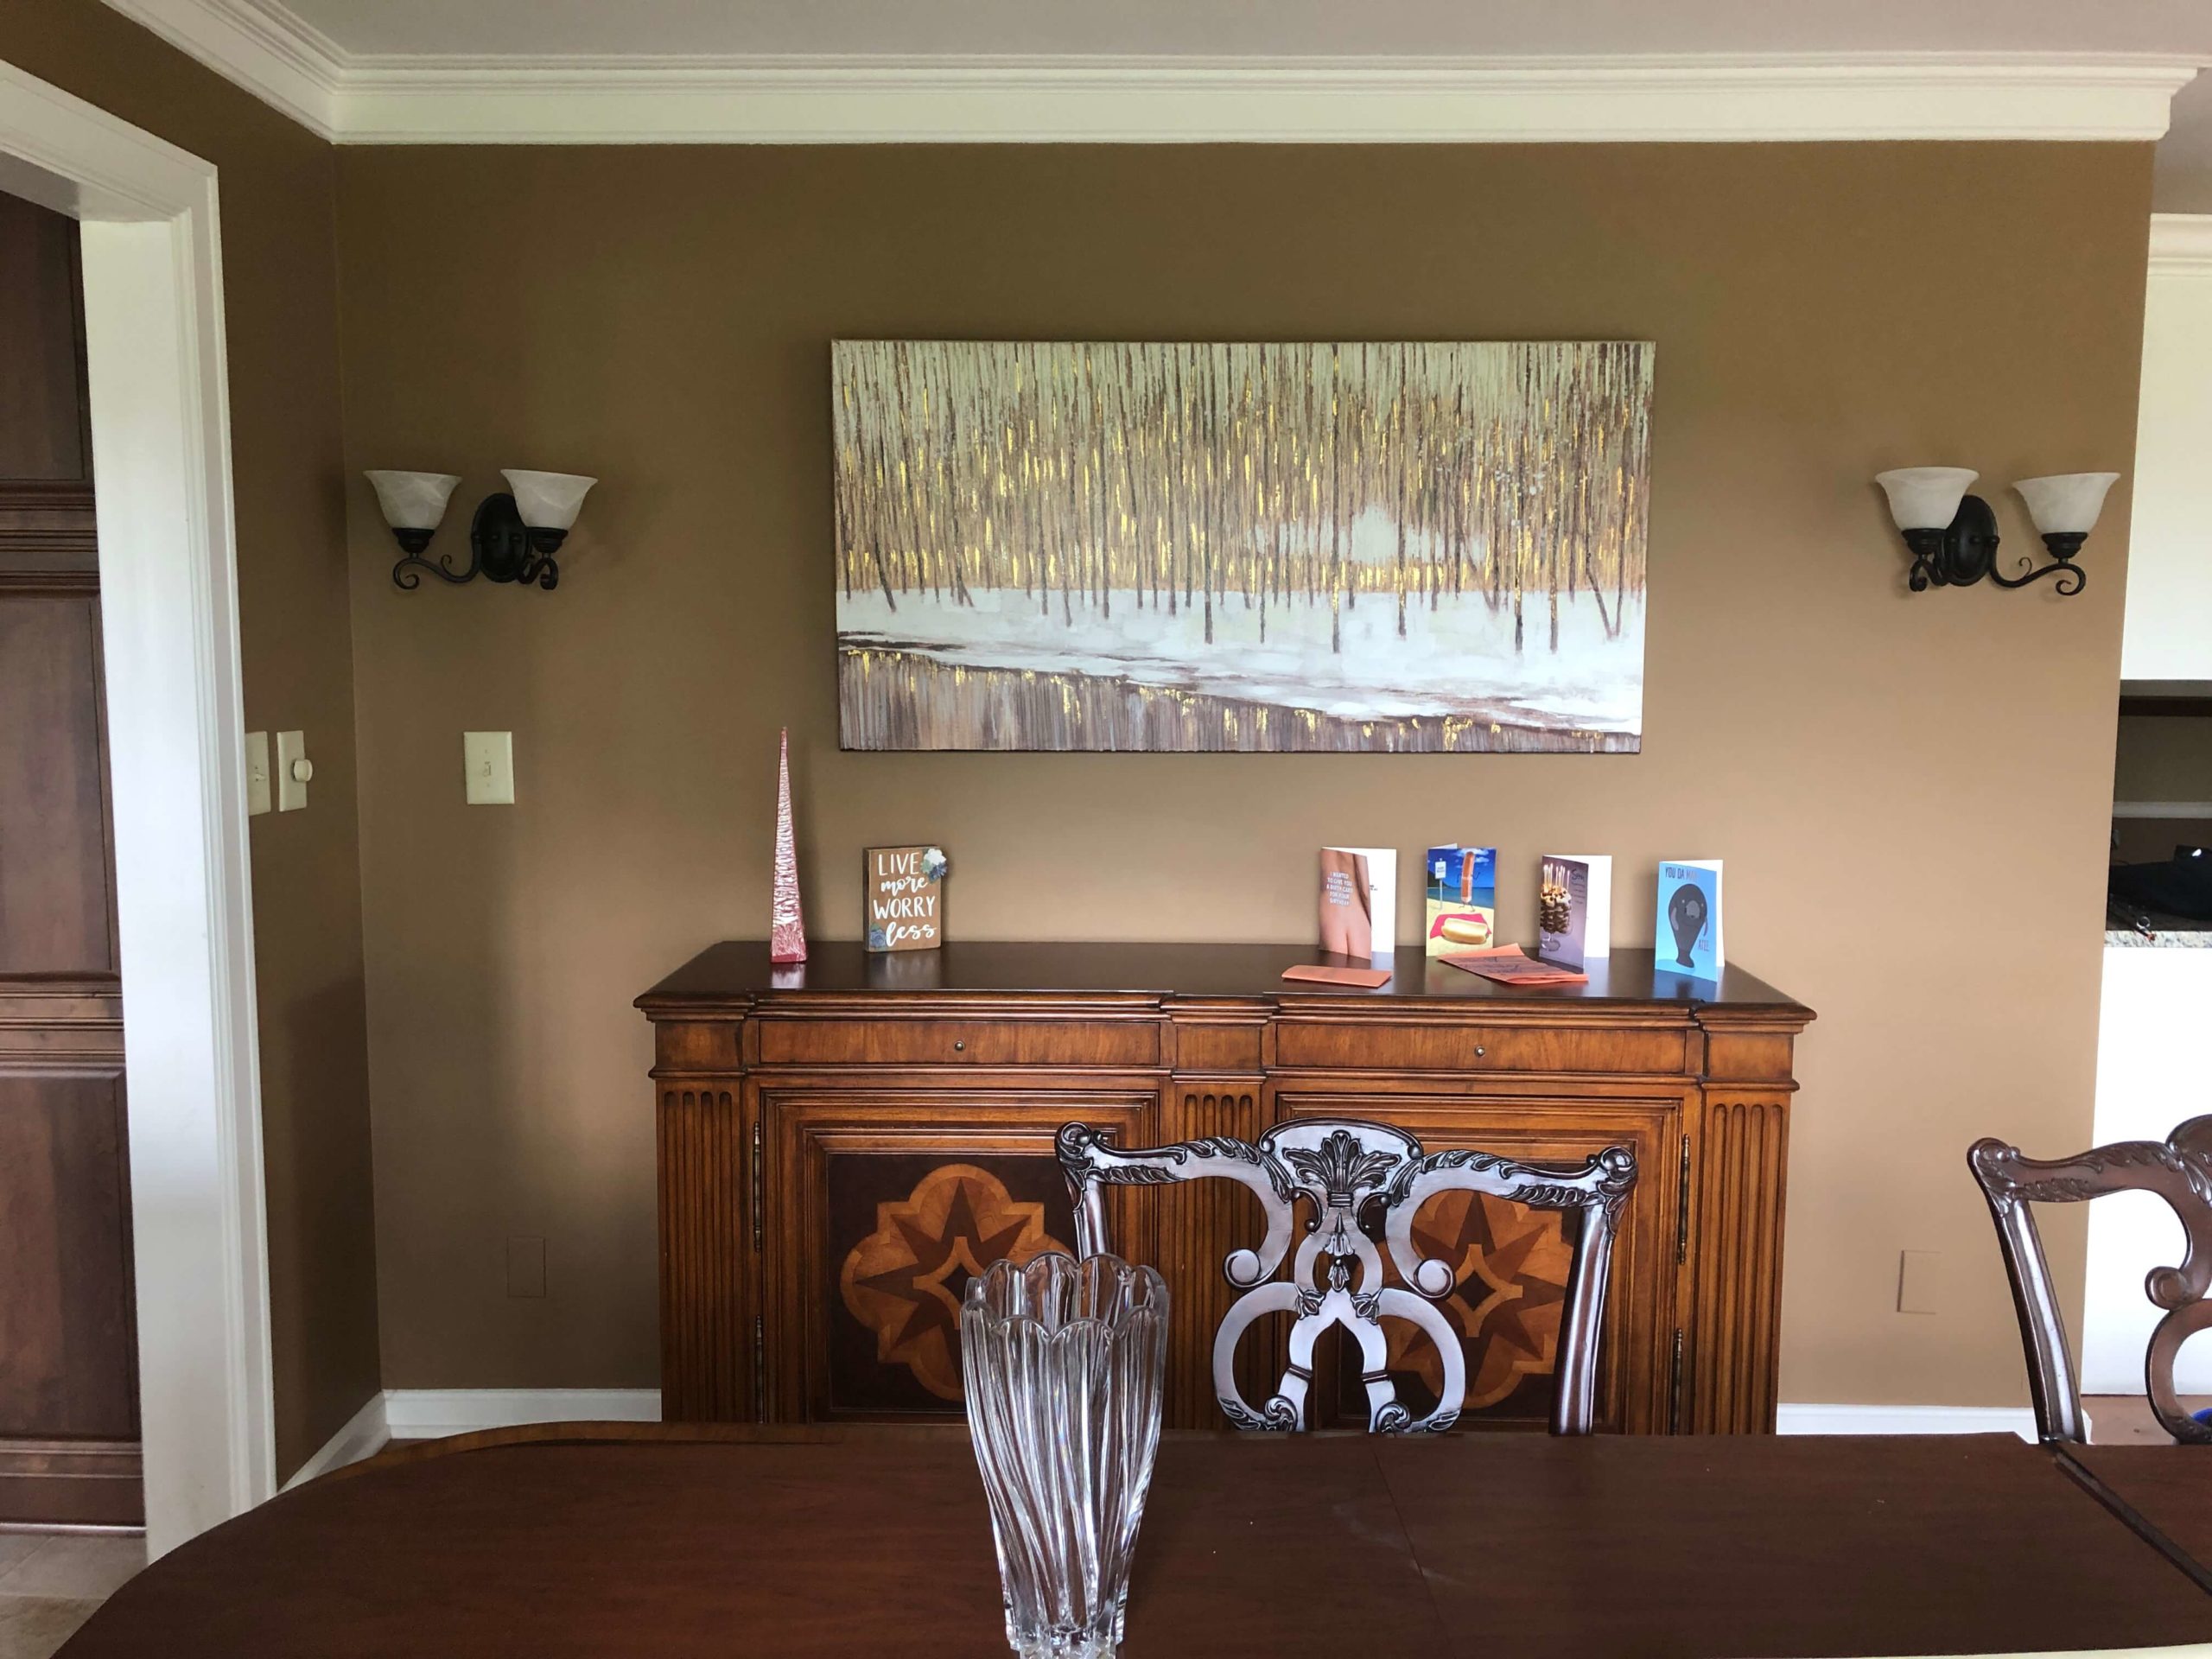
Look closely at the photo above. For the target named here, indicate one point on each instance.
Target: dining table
(603, 1540)
(2164, 1491)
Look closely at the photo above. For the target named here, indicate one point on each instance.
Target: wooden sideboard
(843, 1143)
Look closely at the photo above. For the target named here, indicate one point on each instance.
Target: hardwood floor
(2125, 1419)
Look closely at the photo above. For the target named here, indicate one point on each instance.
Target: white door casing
(168, 553)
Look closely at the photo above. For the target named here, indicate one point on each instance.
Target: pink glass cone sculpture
(786, 928)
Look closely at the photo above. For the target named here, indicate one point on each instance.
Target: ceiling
(1212, 70)
(1265, 27)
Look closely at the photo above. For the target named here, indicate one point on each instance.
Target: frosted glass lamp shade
(413, 500)
(547, 500)
(2066, 504)
(1925, 498)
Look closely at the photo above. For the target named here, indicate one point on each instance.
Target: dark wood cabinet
(68, 1367)
(843, 1143)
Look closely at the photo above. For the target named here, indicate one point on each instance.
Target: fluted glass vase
(1063, 1361)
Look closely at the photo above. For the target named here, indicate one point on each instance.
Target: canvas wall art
(1418, 547)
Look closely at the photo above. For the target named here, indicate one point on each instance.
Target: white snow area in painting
(1458, 659)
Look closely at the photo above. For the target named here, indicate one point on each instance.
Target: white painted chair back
(1343, 1169)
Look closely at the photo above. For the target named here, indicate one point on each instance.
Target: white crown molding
(2180, 245)
(1255, 100)
(261, 45)
(402, 100)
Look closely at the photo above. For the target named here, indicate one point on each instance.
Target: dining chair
(1354, 1174)
(2179, 1170)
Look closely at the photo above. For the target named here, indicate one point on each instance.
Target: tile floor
(50, 1582)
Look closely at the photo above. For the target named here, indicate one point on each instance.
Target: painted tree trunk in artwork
(1404, 506)
(1337, 518)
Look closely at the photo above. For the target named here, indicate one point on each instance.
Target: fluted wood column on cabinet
(1199, 1223)
(1739, 1145)
(709, 1264)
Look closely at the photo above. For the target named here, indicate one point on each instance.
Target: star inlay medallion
(905, 1280)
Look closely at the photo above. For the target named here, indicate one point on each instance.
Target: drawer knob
(959, 1044)
(1480, 1051)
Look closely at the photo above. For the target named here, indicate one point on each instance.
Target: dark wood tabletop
(741, 970)
(2165, 1491)
(679, 1542)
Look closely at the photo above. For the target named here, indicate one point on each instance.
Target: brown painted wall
(1911, 793)
(281, 285)
(2164, 758)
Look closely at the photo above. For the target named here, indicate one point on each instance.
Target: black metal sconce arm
(501, 548)
(1964, 551)
(413, 543)
(2063, 545)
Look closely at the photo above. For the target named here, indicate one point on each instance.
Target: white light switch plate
(257, 773)
(489, 759)
(293, 770)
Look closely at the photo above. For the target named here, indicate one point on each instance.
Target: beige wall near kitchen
(278, 188)
(1910, 792)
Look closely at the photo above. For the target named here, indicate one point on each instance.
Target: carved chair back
(1348, 1175)
(2179, 1170)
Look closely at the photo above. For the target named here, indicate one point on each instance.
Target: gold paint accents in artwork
(904, 1282)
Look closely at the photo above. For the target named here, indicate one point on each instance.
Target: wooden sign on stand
(904, 898)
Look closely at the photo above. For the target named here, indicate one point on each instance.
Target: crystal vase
(1063, 1363)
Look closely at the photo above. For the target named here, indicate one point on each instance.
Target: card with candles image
(1575, 908)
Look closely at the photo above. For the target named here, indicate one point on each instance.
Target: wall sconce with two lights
(1952, 535)
(513, 536)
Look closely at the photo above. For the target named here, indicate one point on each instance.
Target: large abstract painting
(1433, 547)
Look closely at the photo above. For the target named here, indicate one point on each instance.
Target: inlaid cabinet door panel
(68, 1358)
(882, 1205)
(45, 431)
(1510, 1264)
(56, 899)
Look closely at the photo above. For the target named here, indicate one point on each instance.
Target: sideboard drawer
(1436, 1046)
(960, 1042)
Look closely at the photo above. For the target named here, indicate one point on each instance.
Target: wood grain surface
(583, 1540)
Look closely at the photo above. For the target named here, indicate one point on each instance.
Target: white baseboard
(363, 1436)
(426, 1414)
(429, 1413)
(1905, 1419)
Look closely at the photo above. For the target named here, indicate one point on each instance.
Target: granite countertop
(2129, 929)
